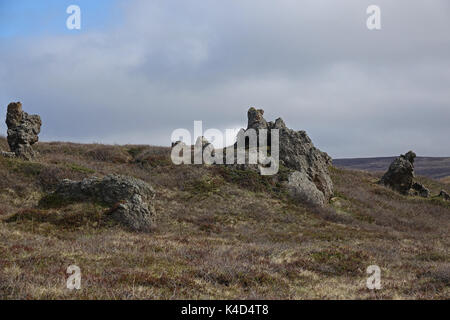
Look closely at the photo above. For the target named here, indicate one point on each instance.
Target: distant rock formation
(23, 131)
(444, 195)
(131, 199)
(310, 181)
(400, 174)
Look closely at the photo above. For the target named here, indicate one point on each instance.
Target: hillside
(432, 167)
(220, 233)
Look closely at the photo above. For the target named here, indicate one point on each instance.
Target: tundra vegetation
(219, 233)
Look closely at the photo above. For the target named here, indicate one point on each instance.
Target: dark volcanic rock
(131, 199)
(444, 195)
(256, 119)
(310, 181)
(23, 130)
(420, 190)
(400, 174)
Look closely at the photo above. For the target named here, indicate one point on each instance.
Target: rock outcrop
(310, 180)
(444, 195)
(400, 174)
(23, 131)
(131, 199)
(420, 190)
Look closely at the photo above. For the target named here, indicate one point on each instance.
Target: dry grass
(217, 235)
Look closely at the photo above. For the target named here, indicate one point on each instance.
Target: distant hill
(432, 167)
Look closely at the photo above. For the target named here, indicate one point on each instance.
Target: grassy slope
(219, 234)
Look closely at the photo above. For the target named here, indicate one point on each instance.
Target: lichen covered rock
(444, 195)
(310, 180)
(131, 199)
(23, 131)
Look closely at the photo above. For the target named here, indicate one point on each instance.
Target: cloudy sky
(138, 69)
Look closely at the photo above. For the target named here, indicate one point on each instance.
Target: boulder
(300, 187)
(23, 131)
(297, 152)
(420, 190)
(131, 199)
(444, 195)
(400, 174)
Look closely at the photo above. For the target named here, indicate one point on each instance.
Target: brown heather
(218, 236)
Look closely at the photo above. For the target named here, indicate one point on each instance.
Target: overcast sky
(138, 69)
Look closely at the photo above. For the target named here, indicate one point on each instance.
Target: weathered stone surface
(444, 195)
(23, 130)
(303, 189)
(297, 152)
(131, 199)
(400, 174)
(420, 190)
(256, 119)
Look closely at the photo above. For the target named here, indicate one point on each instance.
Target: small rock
(199, 149)
(6, 154)
(443, 194)
(420, 190)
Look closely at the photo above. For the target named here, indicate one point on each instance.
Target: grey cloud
(314, 63)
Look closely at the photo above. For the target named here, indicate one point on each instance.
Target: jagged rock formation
(131, 199)
(420, 190)
(400, 174)
(23, 131)
(310, 180)
(444, 195)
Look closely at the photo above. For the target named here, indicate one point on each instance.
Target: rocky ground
(218, 233)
